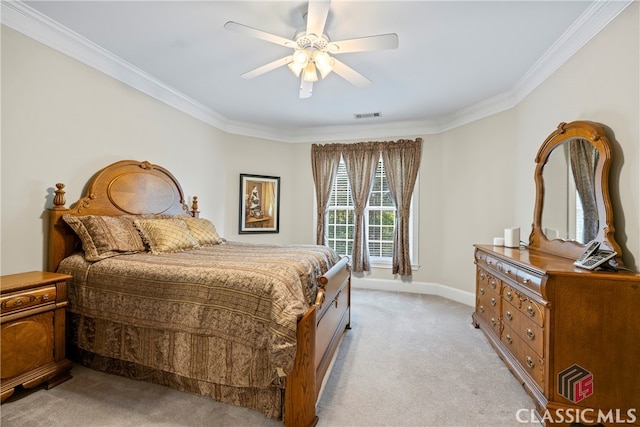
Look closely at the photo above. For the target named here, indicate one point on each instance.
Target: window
(340, 221)
(579, 219)
(380, 216)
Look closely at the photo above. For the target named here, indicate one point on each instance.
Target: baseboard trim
(444, 291)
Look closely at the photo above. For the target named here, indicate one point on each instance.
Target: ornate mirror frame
(595, 134)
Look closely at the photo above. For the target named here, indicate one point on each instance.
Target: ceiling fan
(313, 50)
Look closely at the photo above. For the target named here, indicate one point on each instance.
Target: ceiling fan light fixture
(310, 74)
(324, 63)
(296, 68)
(300, 56)
(300, 61)
(313, 50)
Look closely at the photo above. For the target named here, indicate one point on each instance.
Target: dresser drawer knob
(525, 281)
(481, 309)
(481, 291)
(530, 311)
(493, 302)
(530, 362)
(493, 321)
(530, 334)
(45, 297)
(509, 296)
(509, 315)
(508, 339)
(482, 276)
(493, 284)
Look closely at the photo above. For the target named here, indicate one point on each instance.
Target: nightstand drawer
(27, 299)
(32, 312)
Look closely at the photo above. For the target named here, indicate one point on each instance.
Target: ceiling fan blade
(267, 67)
(350, 75)
(363, 44)
(306, 88)
(259, 34)
(317, 17)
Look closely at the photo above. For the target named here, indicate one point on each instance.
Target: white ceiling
(456, 60)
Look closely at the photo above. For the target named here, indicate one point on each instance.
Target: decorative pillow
(203, 231)
(105, 236)
(166, 235)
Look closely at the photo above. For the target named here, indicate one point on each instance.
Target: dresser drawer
(528, 279)
(488, 306)
(488, 302)
(530, 332)
(488, 281)
(531, 309)
(27, 299)
(491, 317)
(508, 270)
(532, 363)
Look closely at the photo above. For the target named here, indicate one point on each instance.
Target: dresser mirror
(572, 206)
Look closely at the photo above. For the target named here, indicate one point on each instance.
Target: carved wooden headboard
(125, 187)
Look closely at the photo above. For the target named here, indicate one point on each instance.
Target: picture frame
(259, 204)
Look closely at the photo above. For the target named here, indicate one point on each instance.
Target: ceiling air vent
(367, 115)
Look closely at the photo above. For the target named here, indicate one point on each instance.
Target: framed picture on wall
(259, 204)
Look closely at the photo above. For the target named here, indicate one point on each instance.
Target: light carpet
(409, 360)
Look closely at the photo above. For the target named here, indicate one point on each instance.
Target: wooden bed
(132, 187)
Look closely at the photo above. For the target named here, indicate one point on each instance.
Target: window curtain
(584, 158)
(401, 163)
(361, 160)
(324, 165)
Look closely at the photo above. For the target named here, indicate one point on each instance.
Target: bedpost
(59, 236)
(59, 199)
(300, 392)
(194, 207)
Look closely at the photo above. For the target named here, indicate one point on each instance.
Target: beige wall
(477, 179)
(61, 121)
(600, 83)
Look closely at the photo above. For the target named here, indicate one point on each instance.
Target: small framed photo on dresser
(259, 204)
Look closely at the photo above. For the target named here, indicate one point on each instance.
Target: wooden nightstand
(32, 313)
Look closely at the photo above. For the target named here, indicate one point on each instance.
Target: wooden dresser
(33, 331)
(571, 336)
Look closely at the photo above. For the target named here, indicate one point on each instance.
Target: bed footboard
(319, 333)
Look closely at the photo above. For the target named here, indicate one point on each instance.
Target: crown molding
(594, 19)
(17, 15)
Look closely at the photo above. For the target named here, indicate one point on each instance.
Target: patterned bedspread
(224, 314)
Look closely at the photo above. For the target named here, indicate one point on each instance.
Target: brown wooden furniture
(543, 316)
(570, 335)
(33, 331)
(133, 187)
